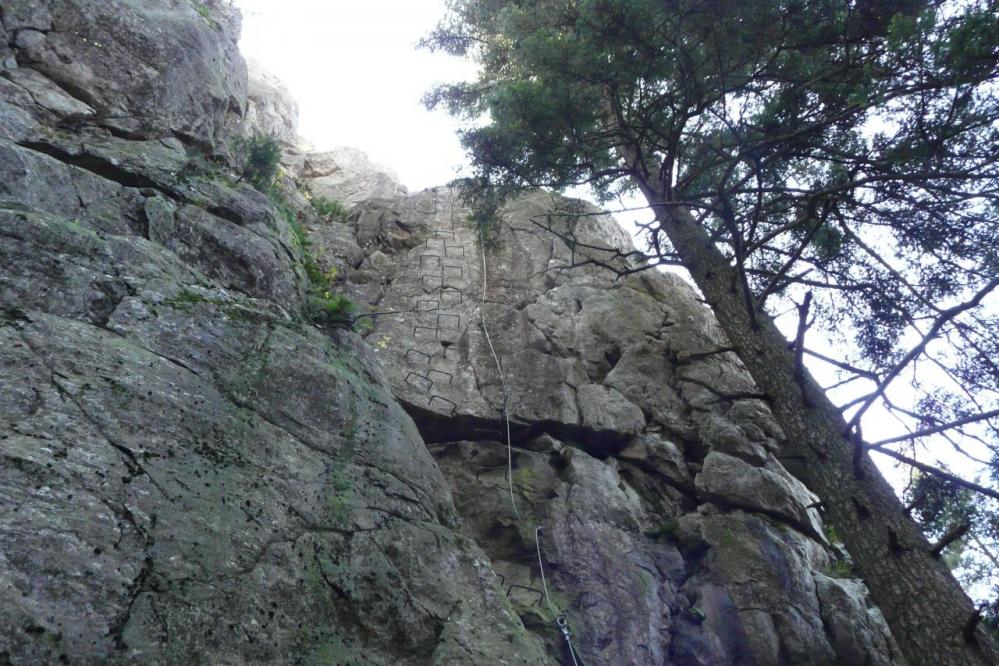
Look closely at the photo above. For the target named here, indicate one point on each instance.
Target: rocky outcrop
(190, 470)
(348, 176)
(193, 471)
(270, 108)
(136, 69)
(642, 469)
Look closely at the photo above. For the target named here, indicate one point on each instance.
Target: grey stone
(147, 69)
(722, 435)
(603, 408)
(654, 452)
(753, 589)
(612, 582)
(857, 630)
(270, 110)
(27, 14)
(769, 489)
(48, 95)
(348, 176)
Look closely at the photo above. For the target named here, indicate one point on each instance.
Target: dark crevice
(105, 169)
(119, 132)
(95, 165)
(436, 428)
(726, 503)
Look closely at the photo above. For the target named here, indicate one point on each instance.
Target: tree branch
(945, 317)
(936, 429)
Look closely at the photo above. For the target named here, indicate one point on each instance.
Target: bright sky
(355, 72)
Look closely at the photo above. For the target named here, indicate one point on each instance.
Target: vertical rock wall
(191, 472)
(643, 468)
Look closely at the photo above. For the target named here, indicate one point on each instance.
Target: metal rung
(418, 357)
(419, 381)
(439, 376)
(447, 403)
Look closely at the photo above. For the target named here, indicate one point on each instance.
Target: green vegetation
(334, 310)
(203, 10)
(329, 209)
(841, 568)
(695, 615)
(186, 299)
(215, 11)
(338, 503)
(257, 158)
(325, 307)
(831, 535)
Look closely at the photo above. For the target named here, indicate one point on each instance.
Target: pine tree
(836, 156)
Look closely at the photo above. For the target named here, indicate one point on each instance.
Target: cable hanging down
(499, 370)
(561, 622)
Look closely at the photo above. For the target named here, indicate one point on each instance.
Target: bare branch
(936, 429)
(940, 322)
(952, 535)
(930, 469)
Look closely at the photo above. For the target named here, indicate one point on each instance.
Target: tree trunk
(930, 616)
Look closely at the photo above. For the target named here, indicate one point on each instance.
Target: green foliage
(665, 531)
(939, 505)
(257, 158)
(333, 310)
(323, 305)
(761, 117)
(831, 534)
(695, 615)
(841, 568)
(214, 12)
(187, 298)
(329, 209)
(285, 210)
(202, 9)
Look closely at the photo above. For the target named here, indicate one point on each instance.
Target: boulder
(348, 176)
(140, 69)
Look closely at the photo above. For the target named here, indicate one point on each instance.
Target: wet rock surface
(191, 471)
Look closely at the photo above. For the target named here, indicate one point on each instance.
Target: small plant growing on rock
(325, 307)
(329, 209)
(257, 159)
(695, 615)
(215, 12)
(841, 568)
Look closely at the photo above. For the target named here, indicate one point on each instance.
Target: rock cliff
(193, 471)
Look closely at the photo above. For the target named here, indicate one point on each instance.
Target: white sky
(355, 72)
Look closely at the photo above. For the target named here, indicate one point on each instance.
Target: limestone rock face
(271, 110)
(347, 175)
(670, 533)
(138, 68)
(193, 472)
